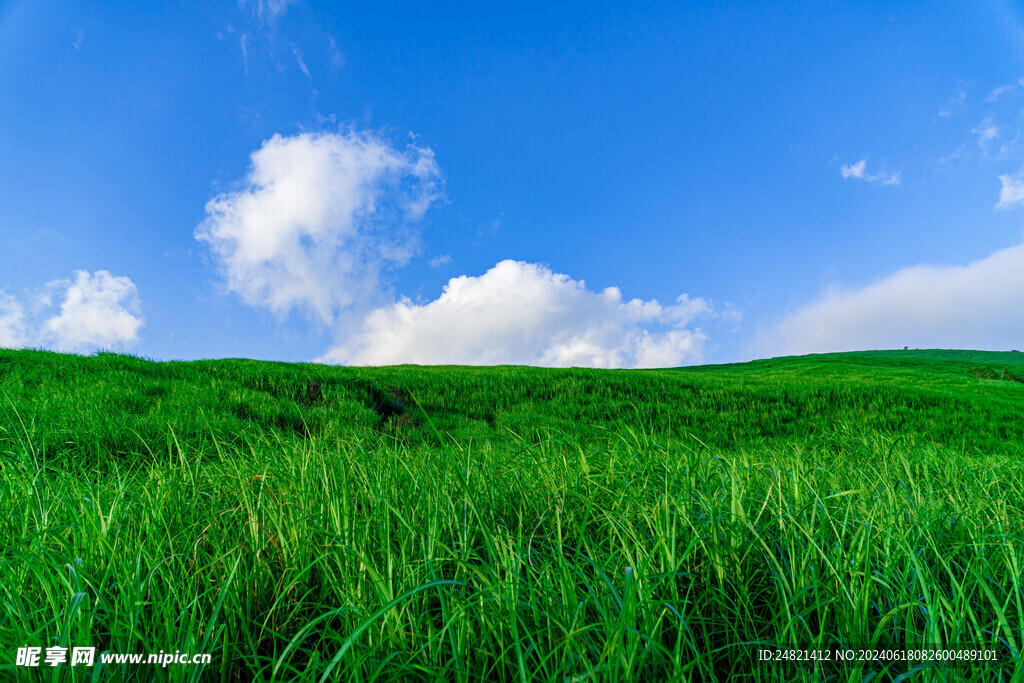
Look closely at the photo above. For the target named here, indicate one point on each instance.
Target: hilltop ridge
(78, 404)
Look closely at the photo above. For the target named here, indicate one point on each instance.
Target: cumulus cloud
(854, 170)
(320, 217)
(1012, 191)
(859, 170)
(973, 306)
(13, 331)
(317, 219)
(523, 313)
(97, 310)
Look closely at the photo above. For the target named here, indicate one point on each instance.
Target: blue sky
(597, 184)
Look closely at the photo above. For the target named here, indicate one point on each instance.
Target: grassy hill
(91, 407)
(306, 522)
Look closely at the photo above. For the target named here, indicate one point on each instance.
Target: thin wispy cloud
(997, 135)
(1011, 148)
(318, 218)
(79, 33)
(858, 170)
(438, 261)
(491, 229)
(954, 105)
(243, 42)
(524, 313)
(954, 155)
(337, 60)
(267, 10)
(985, 133)
(261, 20)
(299, 60)
(996, 93)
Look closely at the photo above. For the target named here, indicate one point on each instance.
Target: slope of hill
(125, 405)
(304, 522)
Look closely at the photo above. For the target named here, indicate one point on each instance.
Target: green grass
(303, 522)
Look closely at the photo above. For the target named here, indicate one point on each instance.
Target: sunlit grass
(618, 553)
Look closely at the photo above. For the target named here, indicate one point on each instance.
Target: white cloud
(79, 37)
(1012, 191)
(999, 92)
(244, 43)
(299, 60)
(985, 132)
(98, 310)
(523, 313)
(854, 170)
(956, 154)
(925, 306)
(267, 10)
(337, 59)
(438, 261)
(859, 170)
(13, 330)
(955, 103)
(996, 93)
(317, 219)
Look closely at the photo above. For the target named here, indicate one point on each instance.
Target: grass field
(305, 522)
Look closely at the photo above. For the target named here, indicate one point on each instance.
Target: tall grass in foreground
(550, 561)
